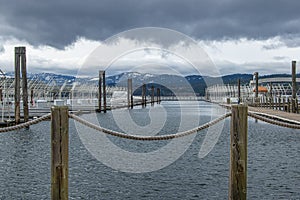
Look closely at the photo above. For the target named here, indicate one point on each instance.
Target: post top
(21, 50)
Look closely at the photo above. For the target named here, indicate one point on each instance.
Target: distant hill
(166, 82)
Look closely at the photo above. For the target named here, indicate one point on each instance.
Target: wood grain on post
(24, 84)
(17, 85)
(59, 152)
(238, 152)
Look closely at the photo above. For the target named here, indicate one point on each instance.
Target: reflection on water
(273, 163)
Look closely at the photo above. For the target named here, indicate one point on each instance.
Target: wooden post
(144, 95)
(1, 94)
(256, 88)
(288, 105)
(238, 152)
(129, 93)
(239, 91)
(17, 85)
(24, 84)
(104, 92)
(59, 152)
(31, 97)
(294, 87)
(152, 95)
(158, 95)
(100, 92)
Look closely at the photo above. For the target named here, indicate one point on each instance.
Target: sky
(238, 36)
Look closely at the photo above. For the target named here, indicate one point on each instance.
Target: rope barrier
(270, 121)
(26, 124)
(157, 137)
(277, 118)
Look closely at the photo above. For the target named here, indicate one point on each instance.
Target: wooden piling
(152, 95)
(294, 87)
(1, 94)
(158, 95)
(100, 92)
(144, 95)
(59, 152)
(239, 91)
(24, 84)
(129, 93)
(104, 92)
(17, 85)
(256, 88)
(31, 97)
(238, 152)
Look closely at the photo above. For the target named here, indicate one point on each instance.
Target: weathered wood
(104, 91)
(1, 94)
(256, 87)
(129, 93)
(158, 95)
(238, 152)
(31, 96)
(59, 152)
(17, 85)
(239, 91)
(24, 84)
(152, 95)
(144, 95)
(100, 91)
(294, 87)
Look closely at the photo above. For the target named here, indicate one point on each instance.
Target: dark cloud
(59, 23)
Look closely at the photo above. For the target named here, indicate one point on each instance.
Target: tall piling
(239, 91)
(59, 152)
(238, 152)
(256, 88)
(158, 95)
(100, 92)
(24, 84)
(129, 93)
(152, 95)
(294, 87)
(18, 51)
(144, 95)
(104, 92)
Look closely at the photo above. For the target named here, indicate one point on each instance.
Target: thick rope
(26, 124)
(157, 137)
(277, 118)
(272, 121)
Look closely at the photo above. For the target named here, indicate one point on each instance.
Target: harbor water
(273, 160)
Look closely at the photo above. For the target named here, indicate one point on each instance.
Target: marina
(273, 162)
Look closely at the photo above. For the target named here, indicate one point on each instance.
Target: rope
(26, 124)
(271, 121)
(157, 137)
(276, 117)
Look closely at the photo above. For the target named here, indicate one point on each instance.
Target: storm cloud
(59, 23)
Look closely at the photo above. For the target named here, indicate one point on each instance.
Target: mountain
(166, 82)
